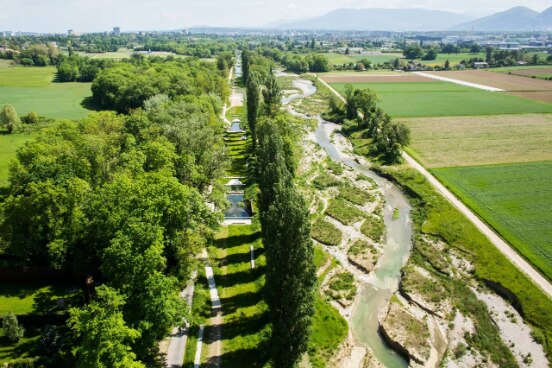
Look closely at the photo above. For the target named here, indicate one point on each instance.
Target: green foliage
(344, 212)
(413, 52)
(104, 338)
(324, 181)
(326, 233)
(329, 330)
(290, 275)
(9, 118)
(342, 286)
(355, 195)
(126, 86)
(253, 104)
(374, 228)
(11, 328)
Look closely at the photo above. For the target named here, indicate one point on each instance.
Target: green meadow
(33, 89)
(426, 99)
(515, 199)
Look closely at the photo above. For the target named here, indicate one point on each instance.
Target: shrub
(374, 228)
(11, 327)
(324, 181)
(355, 195)
(344, 212)
(326, 233)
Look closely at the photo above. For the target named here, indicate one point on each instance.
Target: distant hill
(519, 18)
(544, 21)
(378, 20)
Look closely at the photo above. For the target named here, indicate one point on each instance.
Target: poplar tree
(246, 64)
(290, 275)
(253, 99)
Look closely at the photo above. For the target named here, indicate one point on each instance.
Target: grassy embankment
(427, 99)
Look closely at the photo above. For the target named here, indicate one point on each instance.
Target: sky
(136, 15)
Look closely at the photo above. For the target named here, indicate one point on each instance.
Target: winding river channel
(376, 289)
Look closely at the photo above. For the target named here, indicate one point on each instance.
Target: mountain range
(374, 19)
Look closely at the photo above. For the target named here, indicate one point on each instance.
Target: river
(377, 289)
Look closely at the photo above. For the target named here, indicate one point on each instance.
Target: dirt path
(500, 244)
(213, 330)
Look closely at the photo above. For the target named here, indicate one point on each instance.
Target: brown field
(375, 78)
(543, 96)
(532, 71)
(481, 140)
(498, 80)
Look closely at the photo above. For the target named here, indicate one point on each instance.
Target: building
(71, 32)
(480, 65)
(116, 31)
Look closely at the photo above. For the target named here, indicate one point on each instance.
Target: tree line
(284, 215)
(119, 201)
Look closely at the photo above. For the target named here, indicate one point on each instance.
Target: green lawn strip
(21, 76)
(9, 143)
(325, 232)
(446, 99)
(329, 330)
(238, 153)
(344, 212)
(29, 297)
(436, 216)
(246, 331)
(515, 199)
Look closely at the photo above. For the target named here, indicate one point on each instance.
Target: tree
(475, 49)
(104, 338)
(246, 65)
(535, 59)
(430, 55)
(9, 118)
(253, 101)
(396, 63)
(390, 140)
(11, 328)
(31, 118)
(272, 96)
(447, 64)
(489, 54)
(290, 275)
(413, 52)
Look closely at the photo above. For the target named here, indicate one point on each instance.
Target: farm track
(495, 239)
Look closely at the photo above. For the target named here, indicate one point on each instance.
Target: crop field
(503, 81)
(337, 59)
(514, 199)
(486, 140)
(32, 89)
(426, 99)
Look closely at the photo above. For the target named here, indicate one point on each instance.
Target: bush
(326, 233)
(344, 212)
(31, 118)
(11, 328)
(355, 196)
(374, 228)
(324, 181)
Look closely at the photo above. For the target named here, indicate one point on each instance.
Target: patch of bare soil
(537, 96)
(503, 81)
(532, 71)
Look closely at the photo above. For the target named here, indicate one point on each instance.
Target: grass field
(9, 143)
(485, 140)
(339, 59)
(32, 89)
(426, 99)
(245, 330)
(514, 199)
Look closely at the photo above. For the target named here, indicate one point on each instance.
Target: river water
(378, 288)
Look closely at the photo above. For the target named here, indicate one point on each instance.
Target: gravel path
(500, 244)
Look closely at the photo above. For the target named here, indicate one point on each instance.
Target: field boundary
(493, 237)
(461, 82)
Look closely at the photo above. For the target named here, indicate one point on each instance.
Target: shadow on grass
(237, 240)
(243, 327)
(89, 104)
(253, 358)
(241, 277)
(242, 257)
(244, 300)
